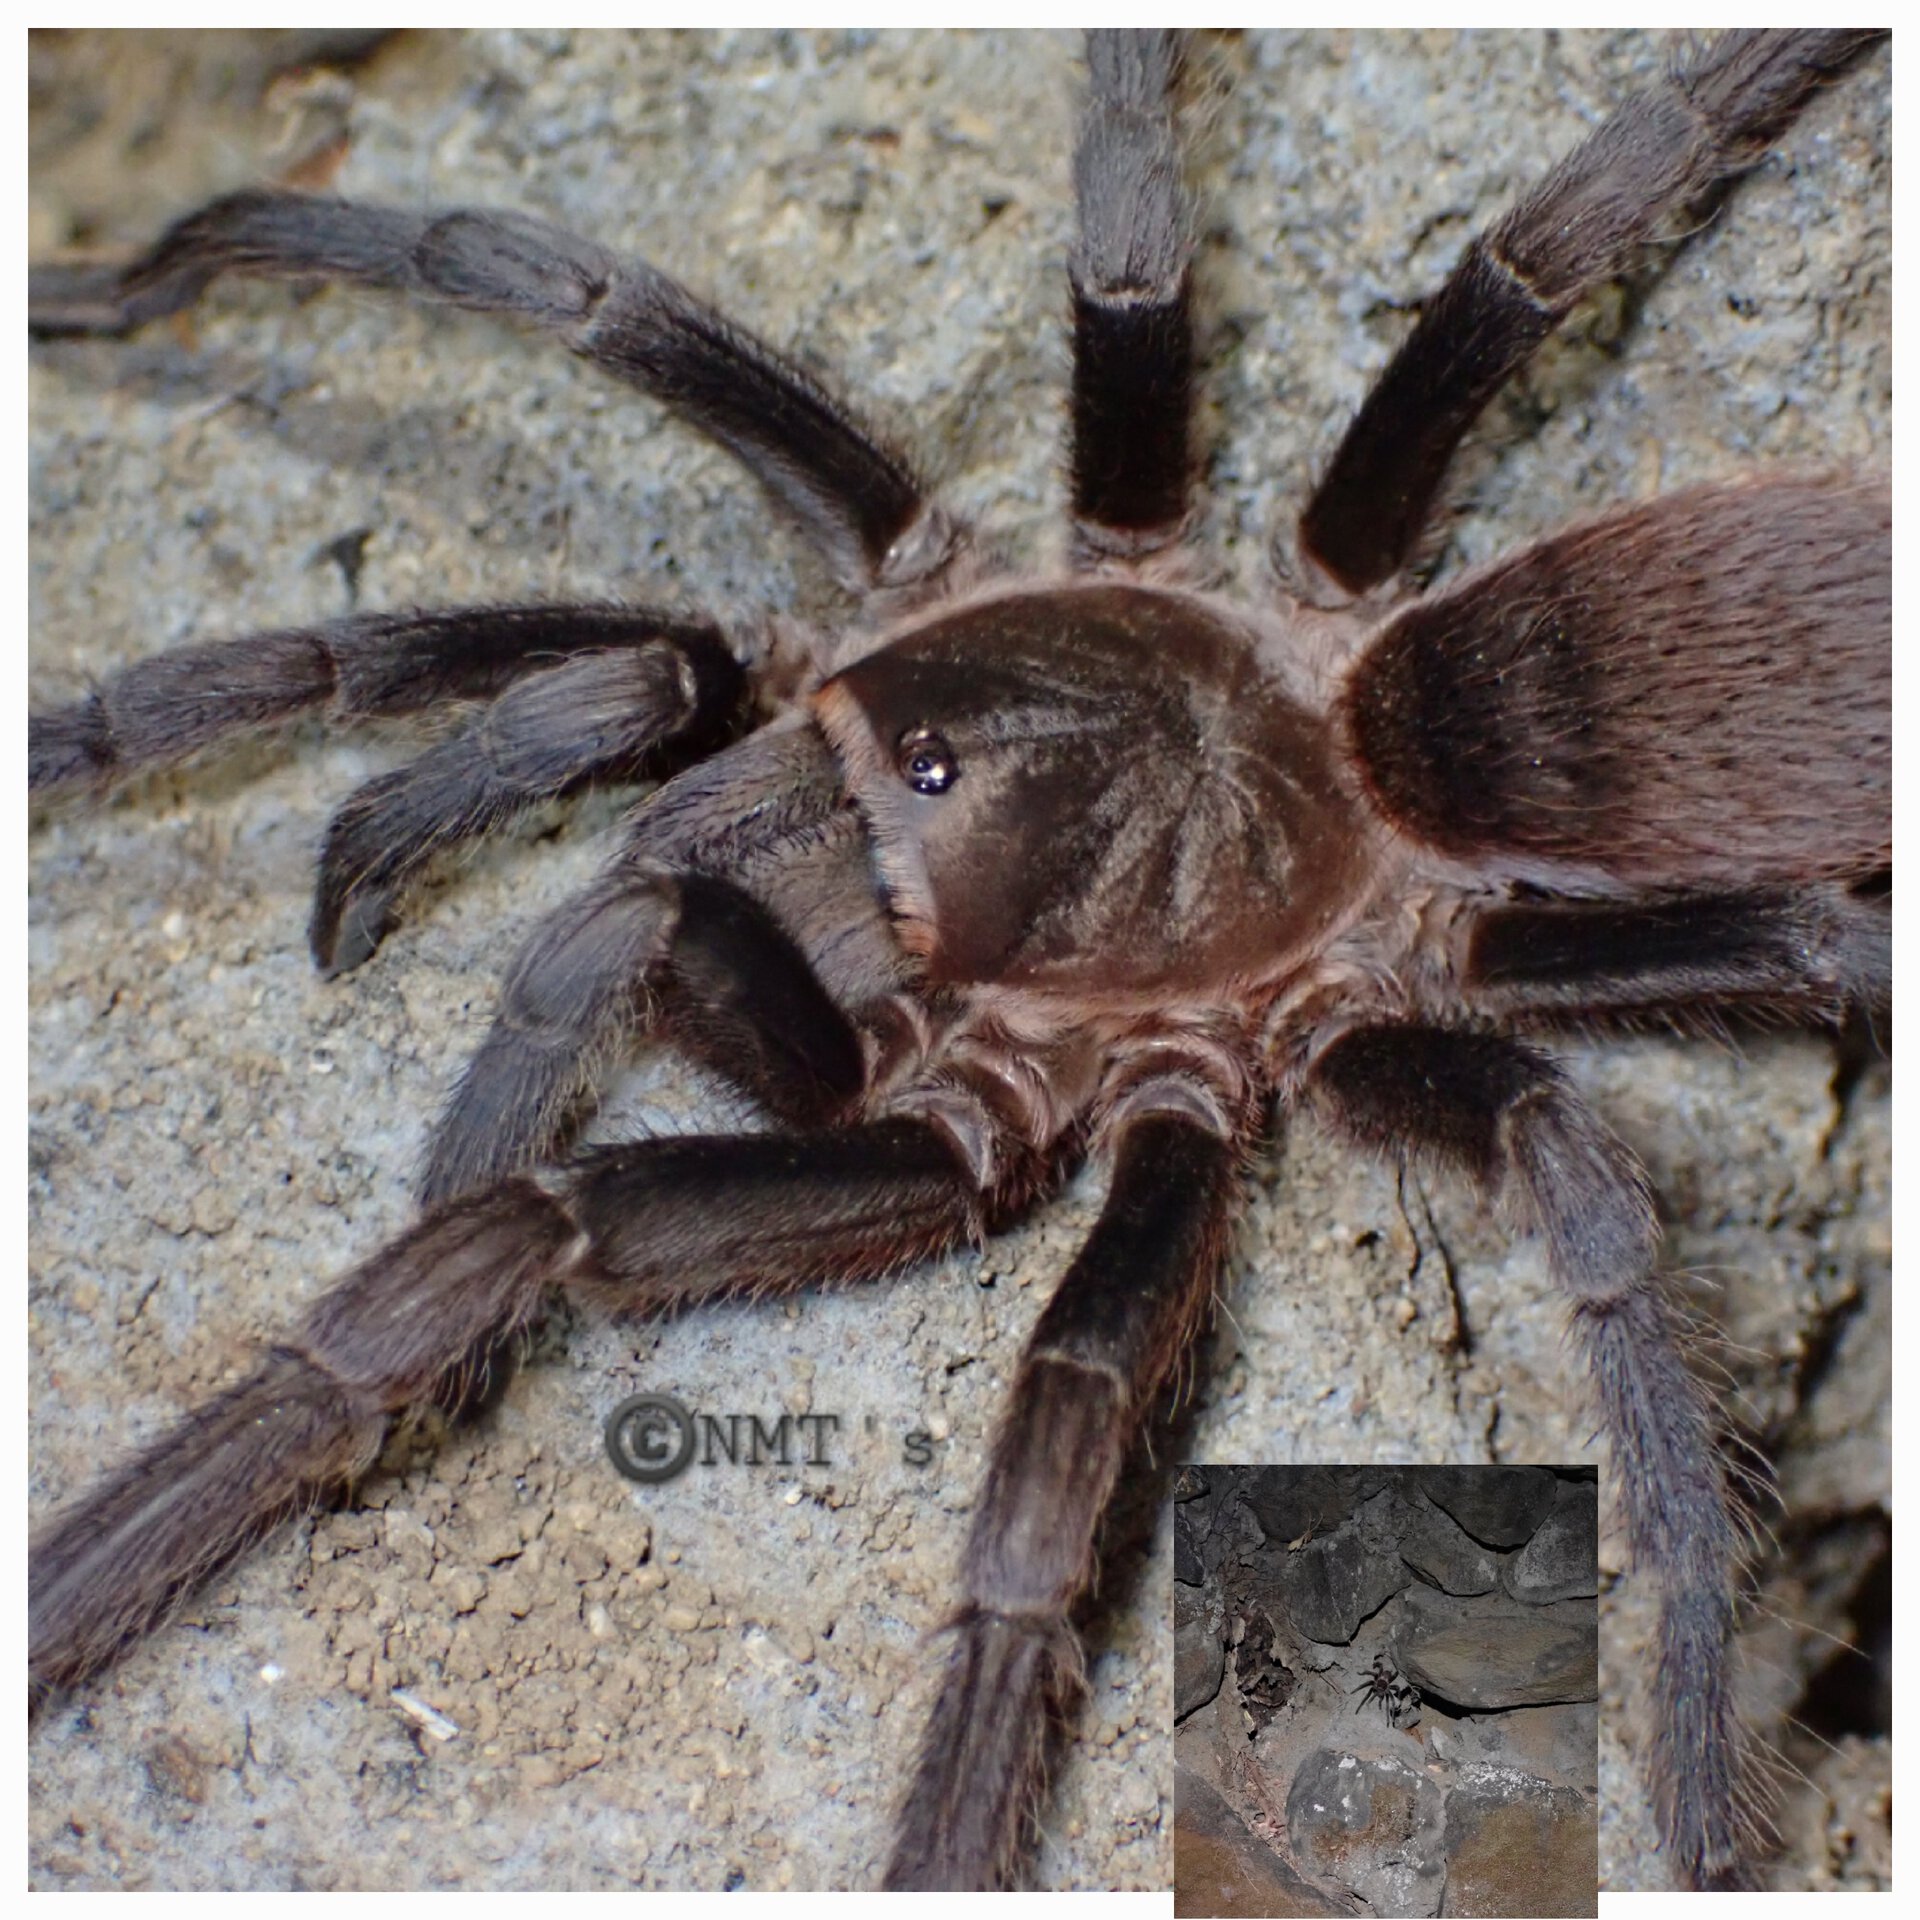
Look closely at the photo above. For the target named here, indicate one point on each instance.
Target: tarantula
(1396, 1697)
(1190, 1043)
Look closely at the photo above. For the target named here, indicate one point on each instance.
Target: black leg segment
(739, 996)
(675, 1222)
(1132, 294)
(1813, 951)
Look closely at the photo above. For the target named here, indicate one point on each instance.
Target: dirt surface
(719, 1683)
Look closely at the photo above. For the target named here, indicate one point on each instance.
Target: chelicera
(1037, 947)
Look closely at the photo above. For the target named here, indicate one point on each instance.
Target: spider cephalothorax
(1029, 868)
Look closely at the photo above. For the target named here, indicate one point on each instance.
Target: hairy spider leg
(1812, 952)
(674, 933)
(600, 717)
(641, 1228)
(853, 494)
(575, 694)
(1659, 154)
(1501, 1112)
(1109, 1338)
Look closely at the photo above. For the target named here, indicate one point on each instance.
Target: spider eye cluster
(927, 764)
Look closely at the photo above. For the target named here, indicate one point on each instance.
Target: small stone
(463, 1587)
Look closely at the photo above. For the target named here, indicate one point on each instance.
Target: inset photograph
(1386, 1690)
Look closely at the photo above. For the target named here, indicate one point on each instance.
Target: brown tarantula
(1383, 1687)
(1192, 1034)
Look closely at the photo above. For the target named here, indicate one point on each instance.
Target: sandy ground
(719, 1683)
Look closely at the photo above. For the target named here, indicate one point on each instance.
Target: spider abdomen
(1689, 694)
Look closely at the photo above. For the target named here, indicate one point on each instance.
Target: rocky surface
(1444, 1553)
(1503, 1508)
(721, 1687)
(1222, 1868)
(1436, 1753)
(1375, 1825)
(1199, 1653)
(1561, 1560)
(1489, 1653)
(1517, 1847)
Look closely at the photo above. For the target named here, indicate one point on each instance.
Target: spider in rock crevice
(947, 918)
(1385, 1688)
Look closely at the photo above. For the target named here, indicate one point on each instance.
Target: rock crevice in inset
(1388, 1678)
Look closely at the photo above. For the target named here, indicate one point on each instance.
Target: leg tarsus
(415, 1325)
(1683, 1526)
(1006, 1677)
(116, 1562)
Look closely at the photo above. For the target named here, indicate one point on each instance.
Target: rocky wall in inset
(1389, 1675)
